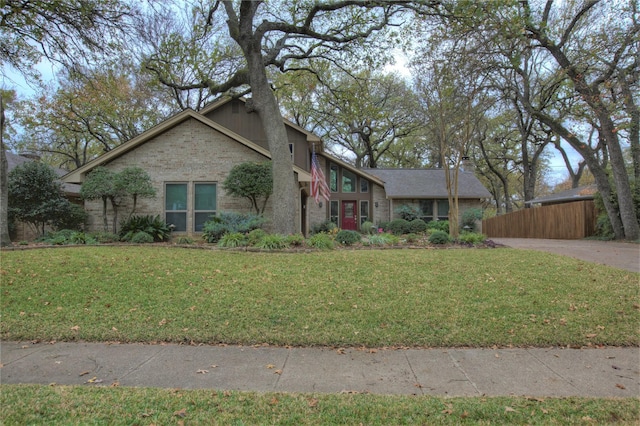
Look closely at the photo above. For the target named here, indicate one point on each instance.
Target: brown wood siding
(568, 221)
(234, 116)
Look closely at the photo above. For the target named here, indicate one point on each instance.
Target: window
(176, 206)
(333, 214)
(426, 210)
(364, 185)
(443, 209)
(348, 181)
(333, 178)
(291, 150)
(364, 211)
(204, 204)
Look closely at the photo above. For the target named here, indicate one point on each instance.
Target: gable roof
(427, 183)
(78, 175)
(351, 168)
(574, 194)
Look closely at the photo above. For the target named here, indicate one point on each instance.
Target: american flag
(319, 186)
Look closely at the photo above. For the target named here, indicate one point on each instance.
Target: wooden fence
(569, 221)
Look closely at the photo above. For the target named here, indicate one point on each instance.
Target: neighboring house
(23, 231)
(581, 193)
(189, 155)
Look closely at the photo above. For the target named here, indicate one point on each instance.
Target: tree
(101, 185)
(67, 32)
(272, 36)
(35, 195)
(253, 181)
(135, 182)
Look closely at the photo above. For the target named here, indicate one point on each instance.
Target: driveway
(617, 254)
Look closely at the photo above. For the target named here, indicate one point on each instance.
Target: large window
(176, 206)
(443, 209)
(333, 178)
(204, 204)
(348, 181)
(426, 210)
(364, 185)
(364, 211)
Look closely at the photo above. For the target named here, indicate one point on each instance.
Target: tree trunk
(5, 240)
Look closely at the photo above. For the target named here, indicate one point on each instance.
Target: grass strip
(435, 298)
(69, 405)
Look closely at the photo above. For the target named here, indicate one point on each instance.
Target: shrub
(58, 238)
(232, 240)
(82, 238)
(255, 236)
(411, 238)
(72, 216)
(295, 240)
(439, 237)
(384, 226)
(383, 239)
(347, 237)
(321, 241)
(141, 237)
(408, 212)
(273, 242)
(326, 227)
(417, 226)
(184, 240)
(151, 225)
(229, 222)
(105, 237)
(368, 228)
(439, 225)
(399, 226)
(472, 238)
(469, 218)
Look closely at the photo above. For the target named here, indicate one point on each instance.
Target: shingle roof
(573, 194)
(427, 183)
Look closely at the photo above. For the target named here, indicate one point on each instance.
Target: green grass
(438, 298)
(63, 405)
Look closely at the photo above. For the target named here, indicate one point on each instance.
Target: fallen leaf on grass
(274, 401)
(313, 402)
(75, 328)
(180, 413)
(619, 386)
(115, 384)
(510, 410)
(590, 336)
(464, 415)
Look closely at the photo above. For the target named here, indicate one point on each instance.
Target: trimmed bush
(399, 226)
(255, 236)
(439, 225)
(295, 240)
(326, 227)
(229, 222)
(408, 212)
(141, 237)
(232, 240)
(347, 237)
(411, 238)
(151, 225)
(384, 226)
(417, 226)
(368, 228)
(273, 242)
(439, 237)
(321, 241)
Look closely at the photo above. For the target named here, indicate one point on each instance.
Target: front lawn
(375, 298)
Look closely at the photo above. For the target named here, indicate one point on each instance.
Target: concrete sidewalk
(551, 372)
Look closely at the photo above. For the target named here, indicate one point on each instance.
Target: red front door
(349, 215)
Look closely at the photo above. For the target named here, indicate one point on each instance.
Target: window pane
(205, 196)
(200, 219)
(426, 209)
(178, 220)
(176, 196)
(348, 181)
(443, 209)
(334, 212)
(364, 211)
(333, 178)
(364, 185)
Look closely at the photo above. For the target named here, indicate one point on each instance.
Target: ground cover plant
(52, 405)
(340, 298)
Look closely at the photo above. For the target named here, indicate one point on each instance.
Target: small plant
(383, 239)
(368, 228)
(229, 222)
(295, 240)
(82, 238)
(254, 237)
(321, 241)
(411, 238)
(273, 242)
(152, 225)
(184, 240)
(408, 212)
(141, 237)
(417, 226)
(326, 227)
(383, 227)
(347, 237)
(472, 238)
(232, 240)
(469, 218)
(104, 237)
(399, 226)
(439, 237)
(439, 225)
